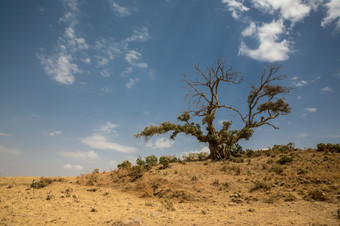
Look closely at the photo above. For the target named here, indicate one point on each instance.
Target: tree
(264, 104)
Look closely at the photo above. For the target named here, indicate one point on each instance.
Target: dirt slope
(257, 191)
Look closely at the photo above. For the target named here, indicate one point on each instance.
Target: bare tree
(264, 104)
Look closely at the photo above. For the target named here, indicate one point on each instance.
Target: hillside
(273, 187)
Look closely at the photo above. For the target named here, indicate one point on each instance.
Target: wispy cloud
(333, 14)
(310, 109)
(107, 129)
(140, 34)
(4, 134)
(133, 58)
(299, 83)
(73, 167)
(98, 141)
(84, 156)
(55, 133)
(326, 89)
(61, 64)
(11, 151)
(160, 143)
(302, 135)
(235, 7)
(132, 82)
(120, 10)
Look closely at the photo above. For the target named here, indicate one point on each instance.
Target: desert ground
(248, 190)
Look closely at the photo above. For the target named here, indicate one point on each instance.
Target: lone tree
(265, 103)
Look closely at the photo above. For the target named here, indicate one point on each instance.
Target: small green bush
(249, 153)
(140, 161)
(328, 147)
(195, 156)
(151, 160)
(284, 159)
(164, 160)
(43, 182)
(302, 171)
(277, 170)
(317, 195)
(124, 165)
(259, 185)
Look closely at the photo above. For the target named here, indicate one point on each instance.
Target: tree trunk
(218, 151)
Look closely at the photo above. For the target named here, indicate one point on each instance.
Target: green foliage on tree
(264, 103)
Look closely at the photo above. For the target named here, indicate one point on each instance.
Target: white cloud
(11, 151)
(4, 134)
(310, 109)
(105, 90)
(292, 10)
(108, 129)
(84, 156)
(60, 67)
(250, 30)
(73, 167)
(60, 64)
(333, 14)
(235, 7)
(160, 143)
(300, 83)
(121, 10)
(98, 141)
(326, 90)
(132, 82)
(105, 73)
(140, 34)
(302, 135)
(86, 60)
(295, 78)
(132, 57)
(269, 49)
(113, 163)
(203, 149)
(55, 133)
(126, 72)
(146, 113)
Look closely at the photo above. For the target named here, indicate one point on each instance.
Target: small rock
(10, 186)
(232, 204)
(204, 212)
(251, 210)
(157, 214)
(92, 190)
(339, 213)
(49, 197)
(93, 210)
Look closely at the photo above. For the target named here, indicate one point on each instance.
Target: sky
(79, 78)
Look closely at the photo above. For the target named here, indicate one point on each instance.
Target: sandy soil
(68, 203)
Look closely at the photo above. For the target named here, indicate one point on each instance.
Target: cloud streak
(84, 156)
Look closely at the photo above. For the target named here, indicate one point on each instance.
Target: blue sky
(79, 78)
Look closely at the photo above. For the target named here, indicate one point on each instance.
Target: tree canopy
(265, 102)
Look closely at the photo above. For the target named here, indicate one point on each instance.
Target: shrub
(284, 148)
(164, 160)
(302, 171)
(124, 165)
(249, 153)
(317, 195)
(259, 185)
(43, 182)
(195, 156)
(136, 173)
(140, 161)
(277, 170)
(284, 159)
(151, 160)
(328, 147)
